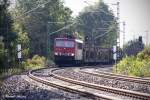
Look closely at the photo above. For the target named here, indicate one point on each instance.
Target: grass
(138, 65)
(35, 63)
(8, 72)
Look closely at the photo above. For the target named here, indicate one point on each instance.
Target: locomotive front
(64, 50)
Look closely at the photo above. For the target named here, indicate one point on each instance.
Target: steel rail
(73, 90)
(134, 94)
(118, 77)
(123, 75)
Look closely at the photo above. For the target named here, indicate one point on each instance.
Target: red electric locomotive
(68, 51)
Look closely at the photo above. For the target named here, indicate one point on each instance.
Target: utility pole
(47, 41)
(118, 22)
(146, 37)
(118, 34)
(92, 40)
(124, 24)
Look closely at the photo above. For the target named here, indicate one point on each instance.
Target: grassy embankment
(35, 63)
(135, 65)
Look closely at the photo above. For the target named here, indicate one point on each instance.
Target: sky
(135, 13)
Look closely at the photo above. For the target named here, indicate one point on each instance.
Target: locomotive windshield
(64, 43)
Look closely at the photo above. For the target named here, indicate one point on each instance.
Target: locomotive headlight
(72, 54)
(56, 53)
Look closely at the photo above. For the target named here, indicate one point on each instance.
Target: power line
(110, 29)
(63, 28)
(48, 34)
(32, 10)
(59, 22)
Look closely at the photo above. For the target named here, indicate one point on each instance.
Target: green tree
(2, 52)
(36, 23)
(99, 22)
(22, 38)
(6, 31)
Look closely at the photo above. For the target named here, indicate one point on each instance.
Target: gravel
(20, 87)
(104, 81)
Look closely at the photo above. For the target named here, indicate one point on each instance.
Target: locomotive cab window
(79, 45)
(64, 43)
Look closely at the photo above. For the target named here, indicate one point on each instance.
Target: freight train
(75, 51)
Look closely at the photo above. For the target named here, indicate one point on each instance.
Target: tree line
(30, 22)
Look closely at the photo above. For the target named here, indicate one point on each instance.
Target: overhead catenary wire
(110, 29)
(21, 16)
(32, 10)
(63, 28)
(105, 22)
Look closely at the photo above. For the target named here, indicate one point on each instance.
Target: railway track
(117, 77)
(69, 87)
(84, 88)
(100, 80)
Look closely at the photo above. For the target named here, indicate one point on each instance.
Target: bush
(144, 55)
(2, 54)
(5, 72)
(34, 63)
(146, 68)
(135, 65)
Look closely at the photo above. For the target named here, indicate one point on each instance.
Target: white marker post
(115, 55)
(19, 53)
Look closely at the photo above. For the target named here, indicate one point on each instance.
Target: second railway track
(117, 77)
(105, 80)
(93, 90)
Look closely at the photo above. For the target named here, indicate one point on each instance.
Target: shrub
(34, 63)
(11, 71)
(146, 68)
(2, 54)
(135, 65)
(144, 55)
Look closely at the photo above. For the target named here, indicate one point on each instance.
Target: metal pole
(19, 62)
(118, 21)
(92, 39)
(116, 65)
(124, 33)
(47, 35)
(146, 38)
(118, 30)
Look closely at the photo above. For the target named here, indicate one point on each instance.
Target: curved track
(71, 87)
(84, 88)
(118, 77)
